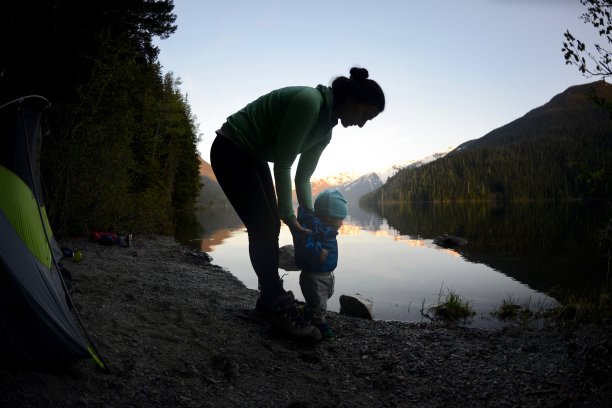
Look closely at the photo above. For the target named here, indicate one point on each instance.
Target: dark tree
(589, 62)
(120, 151)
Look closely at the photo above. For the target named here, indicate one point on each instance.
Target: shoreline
(176, 331)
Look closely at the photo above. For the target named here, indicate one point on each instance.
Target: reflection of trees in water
(365, 219)
(212, 240)
(216, 218)
(187, 227)
(545, 245)
(207, 227)
(542, 245)
(217, 223)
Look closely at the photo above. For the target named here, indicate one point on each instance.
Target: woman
(278, 127)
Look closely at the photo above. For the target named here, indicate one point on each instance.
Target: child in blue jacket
(316, 254)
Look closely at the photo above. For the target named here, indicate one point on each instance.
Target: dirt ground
(175, 331)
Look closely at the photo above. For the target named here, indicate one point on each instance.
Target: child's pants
(317, 287)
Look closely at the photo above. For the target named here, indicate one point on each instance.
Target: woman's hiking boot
(284, 315)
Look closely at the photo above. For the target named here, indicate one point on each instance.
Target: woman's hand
(295, 226)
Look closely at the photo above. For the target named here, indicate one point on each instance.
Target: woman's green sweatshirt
(278, 127)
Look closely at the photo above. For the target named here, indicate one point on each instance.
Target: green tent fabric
(19, 205)
(36, 322)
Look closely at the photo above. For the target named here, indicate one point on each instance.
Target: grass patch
(508, 310)
(596, 308)
(522, 314)
(451, 309)
(573, 310)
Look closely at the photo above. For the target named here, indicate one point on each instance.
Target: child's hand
(323, 255)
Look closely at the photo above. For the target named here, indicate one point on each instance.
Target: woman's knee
(264, 228)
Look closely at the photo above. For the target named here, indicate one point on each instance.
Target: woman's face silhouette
(357, 114)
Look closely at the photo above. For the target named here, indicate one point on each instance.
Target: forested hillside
(562, 150)
(119, 150)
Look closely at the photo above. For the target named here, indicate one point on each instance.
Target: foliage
(586, 309)
(604, 238)
(572, 310)
(524, 315)
(452, 309)
(120, 149)
(598, 63)
(508, 309)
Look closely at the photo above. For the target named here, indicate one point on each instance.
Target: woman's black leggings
(247, 183)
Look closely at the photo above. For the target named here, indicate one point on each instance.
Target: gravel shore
(176, 331)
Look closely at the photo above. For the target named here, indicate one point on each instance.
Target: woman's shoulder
(301, 94)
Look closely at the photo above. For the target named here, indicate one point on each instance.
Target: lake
(532, 254)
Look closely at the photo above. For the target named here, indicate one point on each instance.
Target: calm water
(530, 254)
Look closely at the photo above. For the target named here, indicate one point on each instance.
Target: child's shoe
(326, 331)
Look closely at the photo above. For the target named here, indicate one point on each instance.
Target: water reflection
(206, 229)
(518, 252)
(552, 247)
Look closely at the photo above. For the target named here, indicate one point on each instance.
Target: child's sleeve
(312, 249)
(308, 247)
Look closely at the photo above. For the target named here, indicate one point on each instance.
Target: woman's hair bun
(359, 73)
(358, 88)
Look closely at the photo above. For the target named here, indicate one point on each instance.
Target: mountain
(332, 181)
(571, 113)
(384, 175)
(350, 185)
(211, 194)
(353, 190)
(561, 150)
(317, 185)
(353, 186)
(206, 170)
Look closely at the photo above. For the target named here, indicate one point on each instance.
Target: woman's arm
(299, 119)
(306, 166)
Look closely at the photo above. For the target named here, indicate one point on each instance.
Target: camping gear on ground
(69, 253)
(104, 238)
(111, 238)
(37, 316)
(124, 240)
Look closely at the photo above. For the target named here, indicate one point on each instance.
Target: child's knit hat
(331, 203)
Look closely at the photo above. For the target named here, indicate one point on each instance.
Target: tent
(37, 318)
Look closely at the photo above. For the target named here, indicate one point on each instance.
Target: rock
(286, 259)
(356, 306)
(449, 241)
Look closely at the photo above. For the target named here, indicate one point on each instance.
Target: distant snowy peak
(354, 186)
(384, 175)
(336, 180)
(339, 179)
(370, 181)
(353, 190)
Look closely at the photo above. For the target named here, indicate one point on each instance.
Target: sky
(452, 71)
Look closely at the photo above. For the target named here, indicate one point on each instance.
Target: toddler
(316, 254)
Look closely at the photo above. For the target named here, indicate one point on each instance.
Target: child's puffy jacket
(308, 247)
